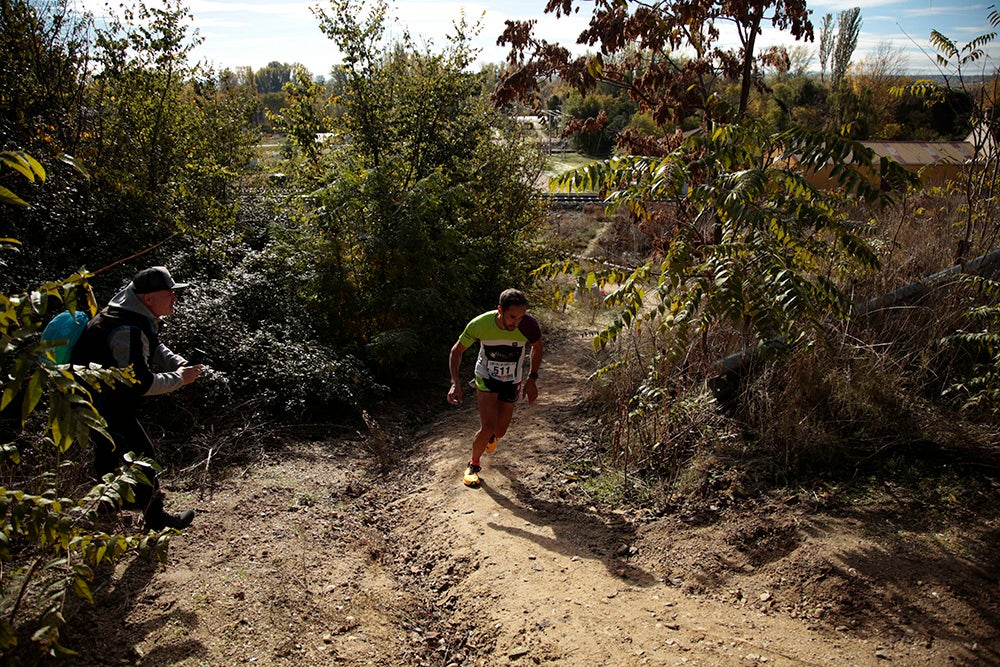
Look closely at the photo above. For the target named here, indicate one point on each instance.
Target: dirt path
(307, 559)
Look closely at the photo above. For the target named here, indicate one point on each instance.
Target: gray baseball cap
(154, 279)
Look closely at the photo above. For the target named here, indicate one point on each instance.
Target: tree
(753, 243)
(978, 186)
(971, 89)
(826, 40)
(142, 73)
(155, 133)
(799, 57)
(305, 114)
(800, 101)
(848, 27)
(878, 73)
(614, 111)
(41, 74)
(422, 187)
(853, 112)
(272, 79)
(747, 245)
(639, 49)
(271, 82)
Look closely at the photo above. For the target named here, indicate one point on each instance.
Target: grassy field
(559, 163)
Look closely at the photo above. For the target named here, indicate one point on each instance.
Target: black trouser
(129, 436)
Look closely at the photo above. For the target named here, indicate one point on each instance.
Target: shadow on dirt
(933, 586)
(116, 598)
(955, 598)
(909, 578)
(578, 533)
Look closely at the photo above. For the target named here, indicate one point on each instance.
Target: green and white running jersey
(500, 351)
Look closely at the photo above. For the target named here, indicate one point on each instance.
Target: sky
(252, 33)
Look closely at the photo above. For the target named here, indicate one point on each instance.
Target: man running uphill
(504, 335)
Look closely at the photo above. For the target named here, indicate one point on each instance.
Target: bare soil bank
(315, 556)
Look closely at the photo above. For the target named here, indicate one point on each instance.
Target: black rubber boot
(179, 521)
(158, 518)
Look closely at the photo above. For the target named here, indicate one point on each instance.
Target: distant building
(935, 161)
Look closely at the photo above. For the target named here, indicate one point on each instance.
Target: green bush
(979, 383)
(265, 348)
(420, 211)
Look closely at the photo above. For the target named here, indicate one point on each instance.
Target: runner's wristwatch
(532, 376)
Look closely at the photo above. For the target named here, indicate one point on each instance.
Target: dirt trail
(551, 582)
(312, 558)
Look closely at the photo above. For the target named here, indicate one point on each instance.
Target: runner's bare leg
(494, 418)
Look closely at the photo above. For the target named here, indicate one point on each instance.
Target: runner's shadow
(577, 533)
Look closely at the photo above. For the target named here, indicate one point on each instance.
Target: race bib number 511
(502, 371)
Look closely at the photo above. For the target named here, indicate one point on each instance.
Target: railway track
(575, 200)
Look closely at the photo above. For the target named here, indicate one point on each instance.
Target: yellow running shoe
(492, 444)
(472, 475)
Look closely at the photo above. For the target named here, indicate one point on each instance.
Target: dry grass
(872, 393)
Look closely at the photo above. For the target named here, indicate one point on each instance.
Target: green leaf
(32, 394)
(18, 162)
(35, 166)
(62, 650)
(8, 197)
(82, 590)
(8, 394)
(75, 163)
(595, 66)
(59, 416)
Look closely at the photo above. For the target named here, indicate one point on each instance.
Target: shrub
(266, 346)
(979, 385)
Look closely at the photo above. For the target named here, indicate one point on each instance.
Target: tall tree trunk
(748, 47)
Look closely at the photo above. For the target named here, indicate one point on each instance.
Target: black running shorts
(507, 392)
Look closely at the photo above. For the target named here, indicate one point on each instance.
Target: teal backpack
(64, 330)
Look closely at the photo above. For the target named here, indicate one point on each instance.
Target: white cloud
(248, 32)
(199, 7)
(836, 6)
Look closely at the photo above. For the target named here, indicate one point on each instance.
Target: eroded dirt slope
(316, 556)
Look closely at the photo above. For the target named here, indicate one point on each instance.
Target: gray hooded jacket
(120, 342)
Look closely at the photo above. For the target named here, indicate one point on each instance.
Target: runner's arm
(530, 387)
(454, 361)
(536, 356)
